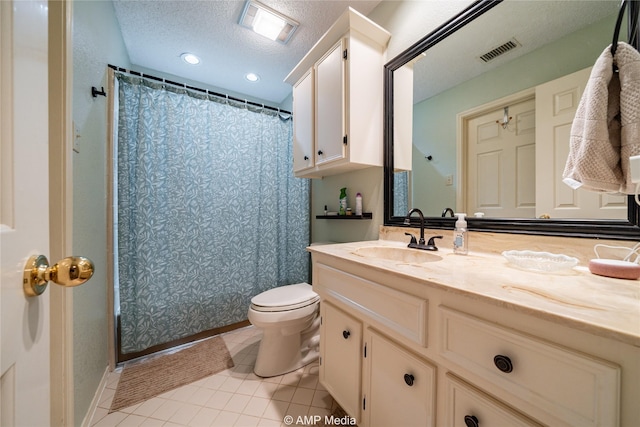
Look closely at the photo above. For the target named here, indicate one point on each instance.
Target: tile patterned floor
(235, 397)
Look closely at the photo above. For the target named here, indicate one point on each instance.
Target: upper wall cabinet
(338, 99)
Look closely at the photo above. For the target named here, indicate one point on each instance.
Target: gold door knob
(71, 271)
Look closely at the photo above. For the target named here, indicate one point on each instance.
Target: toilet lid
(284, 298)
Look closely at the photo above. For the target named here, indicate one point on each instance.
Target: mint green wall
(434, 127)
(368, 182)
(96, 42)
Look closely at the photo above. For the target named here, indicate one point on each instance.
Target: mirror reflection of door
(501, 161)
(556, 104)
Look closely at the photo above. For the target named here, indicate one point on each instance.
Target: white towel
(606, 128)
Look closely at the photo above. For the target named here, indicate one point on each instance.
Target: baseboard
(86, 422)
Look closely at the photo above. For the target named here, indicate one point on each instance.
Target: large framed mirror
(459, 98)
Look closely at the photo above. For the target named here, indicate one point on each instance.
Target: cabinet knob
(503, 363)
(471, 421)
(306, 157)
(319, 152)
(346, 334)
(409, 378)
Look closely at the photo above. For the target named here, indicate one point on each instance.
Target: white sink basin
(406, 255)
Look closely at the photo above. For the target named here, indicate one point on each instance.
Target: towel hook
(616, 32)
(95, 92)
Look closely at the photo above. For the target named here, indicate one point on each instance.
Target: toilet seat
(285, 298)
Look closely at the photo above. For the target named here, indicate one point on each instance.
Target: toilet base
(291, 352)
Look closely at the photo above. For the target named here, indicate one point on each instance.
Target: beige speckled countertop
(603, 306)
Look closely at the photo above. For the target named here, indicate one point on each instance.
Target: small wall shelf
(365, 215)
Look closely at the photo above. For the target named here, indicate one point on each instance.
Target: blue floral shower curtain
(400, 193)
(208, 211)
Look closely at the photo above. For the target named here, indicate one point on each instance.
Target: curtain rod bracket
(95, 92)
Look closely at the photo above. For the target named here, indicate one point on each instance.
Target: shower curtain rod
(207, 91)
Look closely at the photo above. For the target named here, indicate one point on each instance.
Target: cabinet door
(303, 157)
(341, 356)
(329, 75)
(401, 389)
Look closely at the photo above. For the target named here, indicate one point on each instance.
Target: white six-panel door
(501, 169)
(24, 223)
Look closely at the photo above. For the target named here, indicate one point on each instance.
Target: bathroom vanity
(436, 339)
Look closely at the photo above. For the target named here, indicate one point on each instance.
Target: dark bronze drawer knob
(503, 363)
(409, 379)
(346, 334)
(471, 421)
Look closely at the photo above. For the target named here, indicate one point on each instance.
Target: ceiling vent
(500, 50)
(267, 22)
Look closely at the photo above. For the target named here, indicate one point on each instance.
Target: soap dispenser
(460, 243)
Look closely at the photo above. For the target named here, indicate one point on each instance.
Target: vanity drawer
(467, 406)
(541, 373)
(400, 312)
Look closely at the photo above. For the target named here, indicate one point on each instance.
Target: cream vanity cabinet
(398, 351)
(338, 99)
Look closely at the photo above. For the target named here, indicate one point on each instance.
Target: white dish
(540, 261)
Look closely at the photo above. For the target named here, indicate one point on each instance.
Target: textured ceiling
(156, 33)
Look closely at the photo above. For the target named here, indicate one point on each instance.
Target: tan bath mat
(142, 380)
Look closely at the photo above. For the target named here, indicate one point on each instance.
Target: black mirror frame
(604, 229)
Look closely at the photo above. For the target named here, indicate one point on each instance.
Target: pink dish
(615, 268)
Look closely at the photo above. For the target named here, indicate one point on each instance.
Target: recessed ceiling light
(252, 77)
(267, 22)
(190, 58)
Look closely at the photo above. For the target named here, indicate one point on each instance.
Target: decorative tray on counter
(540, 261)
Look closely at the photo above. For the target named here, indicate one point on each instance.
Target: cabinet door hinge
(320, 360)
(344, 54)
(344, 140)
(321, 320)
(365, 350)
(364, 403)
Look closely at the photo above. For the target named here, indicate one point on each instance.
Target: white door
(24, 222)
(501, 170)
(303, 156)
(556, 104)
(329, 81)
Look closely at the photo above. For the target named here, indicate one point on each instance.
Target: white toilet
(289, 319)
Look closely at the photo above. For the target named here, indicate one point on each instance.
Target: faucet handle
(431, 243)
(413, 238)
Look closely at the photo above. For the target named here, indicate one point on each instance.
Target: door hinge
(344, 140)
(364, 403)
(344, 54)
(321, 320)
(320, 360)
(365, 350)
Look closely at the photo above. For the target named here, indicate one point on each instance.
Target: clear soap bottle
(460, 241)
